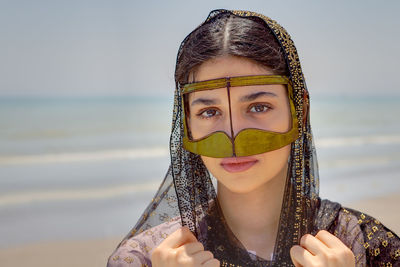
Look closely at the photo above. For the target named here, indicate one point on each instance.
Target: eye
(208, 113)
(259, 108)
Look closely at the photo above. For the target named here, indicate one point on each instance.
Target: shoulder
(136, 250)
(381, 244)
(372, 242)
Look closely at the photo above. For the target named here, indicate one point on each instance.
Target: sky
(128, 48)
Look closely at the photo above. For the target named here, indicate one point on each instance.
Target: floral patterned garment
(371, 242)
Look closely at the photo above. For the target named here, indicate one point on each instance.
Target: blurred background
(86, 91)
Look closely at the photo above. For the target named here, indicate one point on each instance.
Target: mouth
(239, 164)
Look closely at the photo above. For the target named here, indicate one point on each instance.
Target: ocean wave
(76, 194)
(360, 162)
(85, 156)
(358, 141)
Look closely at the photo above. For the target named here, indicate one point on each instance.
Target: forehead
(227, 66)
(274, 90)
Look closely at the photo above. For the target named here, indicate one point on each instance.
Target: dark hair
(228, 34)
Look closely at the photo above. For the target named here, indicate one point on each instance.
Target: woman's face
(262, 106)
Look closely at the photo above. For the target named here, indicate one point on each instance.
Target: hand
(324, 249)
(181, 248)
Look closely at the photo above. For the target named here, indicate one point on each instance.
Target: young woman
(241, 116)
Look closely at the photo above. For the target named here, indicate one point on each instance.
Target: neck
(254, 216)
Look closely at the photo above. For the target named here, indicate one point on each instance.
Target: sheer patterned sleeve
(136, 251)
(349, 232)
(372, 243)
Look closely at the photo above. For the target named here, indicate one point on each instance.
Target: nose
(233, 123)
(236, 120)
(237, 123)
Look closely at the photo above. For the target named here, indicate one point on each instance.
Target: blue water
(75, 168)
(52, 125)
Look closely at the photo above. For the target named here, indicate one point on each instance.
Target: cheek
(212, 165)
(193, 126)
(285, 119)
(274, 161)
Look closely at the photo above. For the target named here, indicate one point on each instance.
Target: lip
(238, 164)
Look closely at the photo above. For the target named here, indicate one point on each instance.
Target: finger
(300, 256)
(340, 250)
(296, 264)
(329, 239)
(192, 248)
(211, 263)
(202, 256)
(313, 244)
(293, 256)
(178, 238)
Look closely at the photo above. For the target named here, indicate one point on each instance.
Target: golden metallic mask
(249, 141)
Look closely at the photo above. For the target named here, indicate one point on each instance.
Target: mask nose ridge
(238, 123)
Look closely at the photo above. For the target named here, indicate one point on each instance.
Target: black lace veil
(187, 190)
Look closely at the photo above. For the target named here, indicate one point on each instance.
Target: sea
(76, 168)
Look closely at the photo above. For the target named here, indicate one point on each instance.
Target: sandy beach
(61, 254)
(95, 252)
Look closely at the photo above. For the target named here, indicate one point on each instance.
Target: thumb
(178, 238)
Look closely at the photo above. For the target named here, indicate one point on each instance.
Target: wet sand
(88, 253)
(78, 253)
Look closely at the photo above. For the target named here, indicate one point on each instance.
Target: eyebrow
(254, 96)
(205, 101)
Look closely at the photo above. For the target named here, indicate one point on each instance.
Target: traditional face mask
(248, 141)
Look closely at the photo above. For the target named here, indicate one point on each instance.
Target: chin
(240, 188)
(245, 182)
